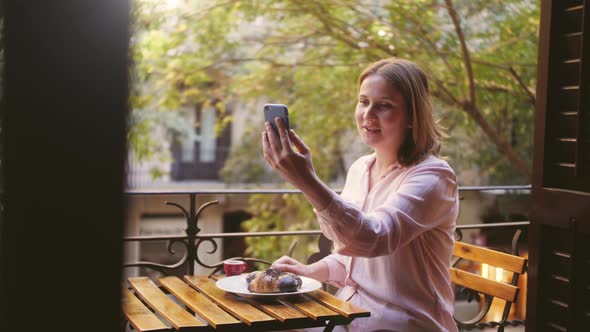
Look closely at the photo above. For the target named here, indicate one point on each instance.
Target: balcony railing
(194, 238)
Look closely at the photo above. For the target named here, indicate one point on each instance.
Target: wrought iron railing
(193, 238)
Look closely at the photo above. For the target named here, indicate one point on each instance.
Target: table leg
(330, 326)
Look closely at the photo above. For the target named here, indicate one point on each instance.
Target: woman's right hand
(318, 270)
(288, 264)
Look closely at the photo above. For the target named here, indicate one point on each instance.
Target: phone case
(272, 111)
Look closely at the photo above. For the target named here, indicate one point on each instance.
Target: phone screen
(272, 111)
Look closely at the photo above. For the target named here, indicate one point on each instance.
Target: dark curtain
(64, 110)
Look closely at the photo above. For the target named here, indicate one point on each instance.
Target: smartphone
(272, 111)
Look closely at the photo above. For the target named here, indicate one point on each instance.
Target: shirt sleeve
(336, 269)
(426, 199)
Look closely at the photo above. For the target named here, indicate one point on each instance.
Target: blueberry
(251, 277)
(287, 284)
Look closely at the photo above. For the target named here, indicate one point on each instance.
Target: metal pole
(191, 231)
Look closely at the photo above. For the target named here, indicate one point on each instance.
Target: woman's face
(381, 115)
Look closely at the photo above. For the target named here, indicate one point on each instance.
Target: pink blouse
(393, 245)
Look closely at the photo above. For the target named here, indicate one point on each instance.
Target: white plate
(239, 286)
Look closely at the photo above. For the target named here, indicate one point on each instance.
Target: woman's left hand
(293, 165)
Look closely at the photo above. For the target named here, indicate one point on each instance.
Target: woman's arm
(426, 199)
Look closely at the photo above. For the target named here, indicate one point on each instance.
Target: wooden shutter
(559, 279)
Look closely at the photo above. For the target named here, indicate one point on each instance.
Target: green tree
(480, 57)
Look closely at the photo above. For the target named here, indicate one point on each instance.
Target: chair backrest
(512, 263)
(489, 288)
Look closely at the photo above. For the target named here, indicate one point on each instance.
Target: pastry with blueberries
(273, 281)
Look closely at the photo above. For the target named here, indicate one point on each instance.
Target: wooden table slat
(197, 302)
(311, 308)
(231, 303)
(139, 316)
(179, 318)
(342, 307)
(280, 311)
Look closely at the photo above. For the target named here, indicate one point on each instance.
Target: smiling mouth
(372, 129)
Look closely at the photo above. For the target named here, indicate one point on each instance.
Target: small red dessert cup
(234, 267)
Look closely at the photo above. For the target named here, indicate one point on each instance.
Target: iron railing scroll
(193, 239)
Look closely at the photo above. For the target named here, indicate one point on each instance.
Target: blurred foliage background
(480, 56)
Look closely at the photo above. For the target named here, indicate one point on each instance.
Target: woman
(393, 224)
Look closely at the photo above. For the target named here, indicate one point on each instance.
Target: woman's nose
(369, 112)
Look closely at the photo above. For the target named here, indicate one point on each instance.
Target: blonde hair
(426, 135)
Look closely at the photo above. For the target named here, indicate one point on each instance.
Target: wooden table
(196, 304)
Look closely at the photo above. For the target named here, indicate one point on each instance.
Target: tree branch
(495, 87)
(531, 95)
(502, 160)
(331, 32)
(464, 49)
(424, 36)
(275, 63)
(505, 66)
(341, 33)
(503, 145)
(205, 11)
(504, 43)
(446, 95)
(423, 33)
